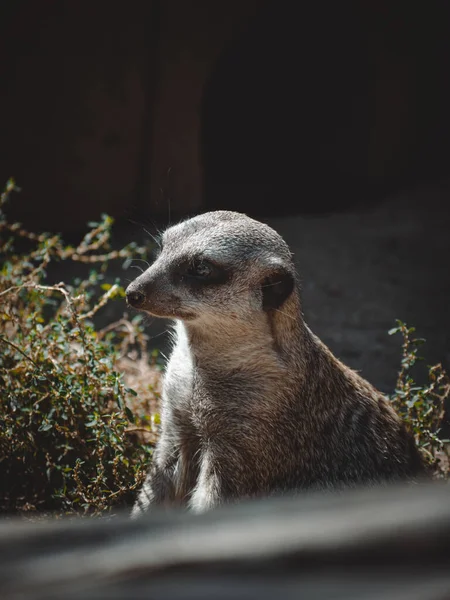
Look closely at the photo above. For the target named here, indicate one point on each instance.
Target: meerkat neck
(222, 348)
(270, 339)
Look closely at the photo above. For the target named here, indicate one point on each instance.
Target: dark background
(328, 119)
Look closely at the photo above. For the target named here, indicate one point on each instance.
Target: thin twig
(20, 351)
(141, 429)
(103, 300)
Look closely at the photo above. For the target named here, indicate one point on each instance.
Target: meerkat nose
(135, 298)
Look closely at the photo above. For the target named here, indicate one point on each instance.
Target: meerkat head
(219, 265)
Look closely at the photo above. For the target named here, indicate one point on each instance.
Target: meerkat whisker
(144, 261)
(156, 239)
(159, 335)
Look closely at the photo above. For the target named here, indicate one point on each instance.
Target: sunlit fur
(253, 402)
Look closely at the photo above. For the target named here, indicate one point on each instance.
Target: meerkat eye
(201, 269)
(205, 272)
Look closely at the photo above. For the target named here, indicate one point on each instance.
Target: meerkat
(253, 403)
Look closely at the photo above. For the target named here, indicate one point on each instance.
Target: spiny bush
(423, 407)
(65, 411)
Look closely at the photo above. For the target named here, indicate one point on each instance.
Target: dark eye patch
(200, 272)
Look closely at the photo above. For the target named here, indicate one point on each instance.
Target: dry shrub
(73, 435)
(423, 407)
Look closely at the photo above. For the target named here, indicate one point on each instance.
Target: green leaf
(45, 426)
(129, 414)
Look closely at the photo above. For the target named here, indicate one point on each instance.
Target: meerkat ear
(276, 288)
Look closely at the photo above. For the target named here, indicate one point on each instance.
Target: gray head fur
(248, 258)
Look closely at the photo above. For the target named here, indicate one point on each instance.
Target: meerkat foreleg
(159, 486)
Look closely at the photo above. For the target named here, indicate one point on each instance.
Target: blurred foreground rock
(391, 543)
